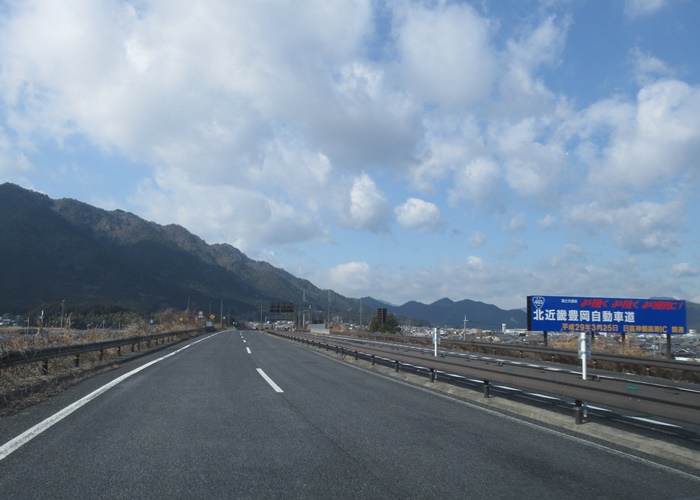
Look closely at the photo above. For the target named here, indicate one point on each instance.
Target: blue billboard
(589, 314)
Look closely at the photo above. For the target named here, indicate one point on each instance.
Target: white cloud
(648, 68)
(657, 138)
(515, 223)
(547, 222)
(684, 270)
(522, 93)
(419, 215)
(475, 263)
(533, 168)
(367, 206)
(14, 164)
(445, 54)
(244, 218)
(449, 143)
(351, 277)
(477, 181)
(637, 227)
(477, 239)
(639, 8)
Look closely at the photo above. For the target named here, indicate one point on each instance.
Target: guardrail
(635, 364)
(45, 354)
(642, 398)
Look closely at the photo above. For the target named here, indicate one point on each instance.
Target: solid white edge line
(19, 441)
(269, 381)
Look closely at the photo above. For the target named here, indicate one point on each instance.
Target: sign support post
(584, 351)
(436, 339)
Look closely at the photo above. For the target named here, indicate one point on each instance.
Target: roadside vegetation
(24, 385)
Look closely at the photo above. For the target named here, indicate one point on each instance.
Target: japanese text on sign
(582, 314)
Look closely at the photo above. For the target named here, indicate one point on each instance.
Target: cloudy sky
(404, 150)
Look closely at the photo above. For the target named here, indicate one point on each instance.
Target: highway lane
(677, 404)
(204, 423)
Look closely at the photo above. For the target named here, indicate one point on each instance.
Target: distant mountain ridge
(67, 250)
(55, 250)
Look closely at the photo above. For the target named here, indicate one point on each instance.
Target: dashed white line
(248, 349)
(270, 381)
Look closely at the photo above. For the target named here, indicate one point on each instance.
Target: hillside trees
(391, 325)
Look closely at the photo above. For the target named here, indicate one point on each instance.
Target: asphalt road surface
(247, 415)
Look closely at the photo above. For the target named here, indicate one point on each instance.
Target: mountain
(478, 314)
(446, 312)
(55, 250)
(65, 250)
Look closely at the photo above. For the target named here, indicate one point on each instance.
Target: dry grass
(25, 385)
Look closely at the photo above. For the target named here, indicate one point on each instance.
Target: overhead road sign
(281, 307)
(614, 315)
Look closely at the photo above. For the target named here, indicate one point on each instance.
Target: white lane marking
(16, 443)
(270, 381)
(248, 349)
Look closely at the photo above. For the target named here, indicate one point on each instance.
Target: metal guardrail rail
(44, 354)
(645, 363)
(650, 399)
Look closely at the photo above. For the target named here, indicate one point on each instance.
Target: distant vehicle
(209, 327)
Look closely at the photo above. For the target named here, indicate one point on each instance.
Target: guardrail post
(578, 412)
(432, 375)
(45, 367)
(355, 355)
(487, 389)
(372, 359)
(77, 360)
(397, 365)
(119, 351)
(102, 352)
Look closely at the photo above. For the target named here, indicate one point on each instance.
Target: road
(678, 404)
(203, 422)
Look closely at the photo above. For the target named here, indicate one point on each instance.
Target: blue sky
(404, 150)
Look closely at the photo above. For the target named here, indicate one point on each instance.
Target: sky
(403, 150)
